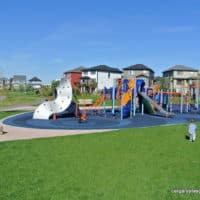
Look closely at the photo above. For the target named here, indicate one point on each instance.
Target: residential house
(36, 83)
(139, 71)
(74, 75)
(181, 77)
(103, 75)
(17, 81)
(4, 83)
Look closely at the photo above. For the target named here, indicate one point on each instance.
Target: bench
(85, 102)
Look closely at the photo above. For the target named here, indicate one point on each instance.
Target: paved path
(15, 108)
(18, 133)
(21, 133)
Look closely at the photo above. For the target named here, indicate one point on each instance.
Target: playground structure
(132, 95)
(187, 100)
(60, 104)
(136, 97)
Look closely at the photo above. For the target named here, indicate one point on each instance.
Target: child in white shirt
(192, 130)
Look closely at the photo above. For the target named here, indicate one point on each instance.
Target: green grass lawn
(138, 163)
(19, 98)
(14, 98)
(4, 114)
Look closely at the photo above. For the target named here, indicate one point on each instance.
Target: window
(85, 73)
(179, 72)
(179, 82)
(93, 72)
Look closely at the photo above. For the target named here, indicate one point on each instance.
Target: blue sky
(45, 38)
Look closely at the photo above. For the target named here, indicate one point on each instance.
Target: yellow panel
(131, 84)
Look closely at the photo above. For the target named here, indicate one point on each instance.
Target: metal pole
(131, 111)
(104, 103)
(161, 97)
(197, 98)
(181, 108)
(113, 98)
(121, 109)
(168, 100)
(187, 102)
(142, 108)
(171, 98)
(134, 99)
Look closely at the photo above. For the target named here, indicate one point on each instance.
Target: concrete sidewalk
(17, 133)
(16, 108)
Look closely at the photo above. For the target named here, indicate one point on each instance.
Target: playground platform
(96, 122)
(22, 126)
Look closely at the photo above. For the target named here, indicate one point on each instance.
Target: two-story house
(181, 77)
(139, 71)
(74, 75)
(36, 83)
(103, 75)
(4, 83)
(18, 80)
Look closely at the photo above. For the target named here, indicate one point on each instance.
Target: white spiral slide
(58, 105)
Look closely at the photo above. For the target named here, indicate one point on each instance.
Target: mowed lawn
(138, 163)
(14, 98)
(4, 114)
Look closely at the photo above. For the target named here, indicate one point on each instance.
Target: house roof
(180, 68)
(4, 79)
(75, 70)
(103, 68)
(19, 77)
(35, 79)
(138, 67)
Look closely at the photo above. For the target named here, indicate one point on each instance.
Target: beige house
(181, 77)
(139, 71)
(17, 81)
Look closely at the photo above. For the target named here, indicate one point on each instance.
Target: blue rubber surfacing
(97, 122)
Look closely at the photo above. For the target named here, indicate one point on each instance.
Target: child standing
(192, 130)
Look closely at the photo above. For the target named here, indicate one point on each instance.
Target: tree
(45, 91)
(22, 88)
(76, 89)
(92, 84)
(163, 82)
(54, 85)
(29, 88)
